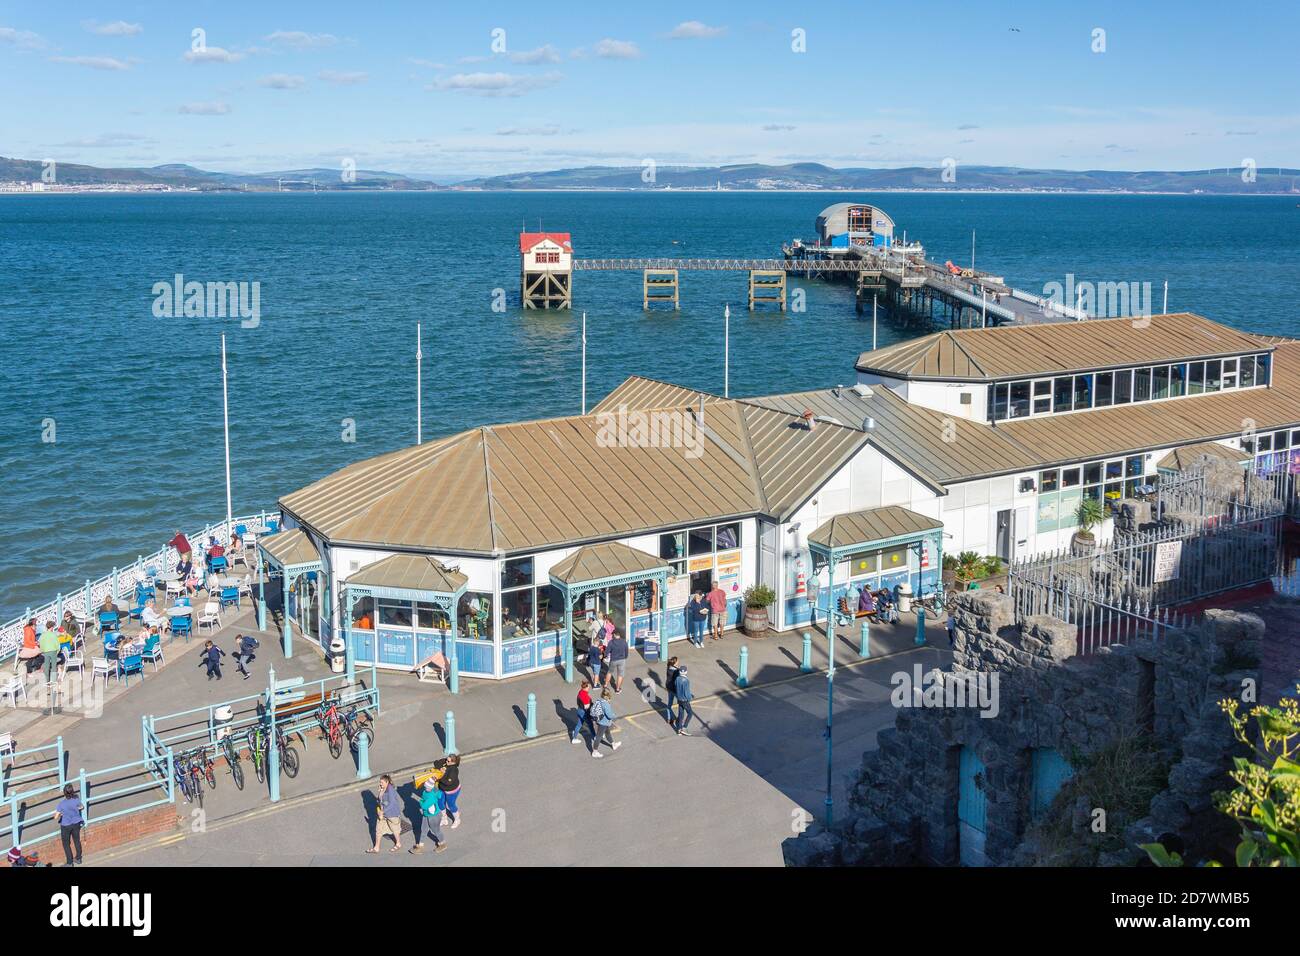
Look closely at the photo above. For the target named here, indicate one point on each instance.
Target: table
(231, 581)
(174, 612)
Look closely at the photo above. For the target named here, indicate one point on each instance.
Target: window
(1213, 375)
(1263, 369)
(1105, 389)
(1177, 381)
(474, 616)
(1042, 396)
(1082, 392)
(431, 617)
(728, 536)
(1135, 466)
(394, 614)
(1141, 384)
(1115, 469)
(862, 564)
(1092, 473)
(517, 572)
(1230, 373)
(1020, 399)
(1196, 379)
(1063, 394)
(1265, 442)
(1247, 377)
(1160, 381)
(1280, 440)
(1070, 477)
(516, 613)
(1123, 387)
(1047, 481)
(700, 541)
(998, 395)
(672, 546)
(363, 614)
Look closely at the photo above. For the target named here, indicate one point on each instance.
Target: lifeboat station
(502, 539)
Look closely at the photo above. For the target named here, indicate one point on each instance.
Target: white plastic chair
(76, 659)
(176, 588)
(8, 747)
(211, 615)
(153, 653)
(12, 688)
(100, 667)
(246, 587)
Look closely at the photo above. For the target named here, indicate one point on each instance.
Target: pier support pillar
(766, 286)
(660, 285)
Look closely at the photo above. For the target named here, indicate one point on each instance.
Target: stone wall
(903, 802)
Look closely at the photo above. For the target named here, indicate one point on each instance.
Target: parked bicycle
(331, 723)
(288, 754)
(231, 753)
(257, 750)
(357, 724)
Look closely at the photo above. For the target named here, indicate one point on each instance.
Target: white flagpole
(584, 363)
(873, 321)
(1164, 309)
(726, 351)
(225, 413)
(419, 389)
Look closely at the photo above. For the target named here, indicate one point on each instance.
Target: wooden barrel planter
(755, 621)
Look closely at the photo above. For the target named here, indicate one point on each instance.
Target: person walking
(670, 685)
(49, 645)
(244, 648)
(717, 601)
(584, 713)
(449, 784)
(432, 802)
(684, 697)
(697, 612)
(390, 815)
(617, 650)
(211, 658)
(596, 656)
(68, 815)
(603, 711)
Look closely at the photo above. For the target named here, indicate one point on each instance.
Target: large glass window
(517, 572)
(999, 395)
(1247, 371)
(1123, 387)
(1070, 477)
(1160, 381)
(1230, 373)
(1042, 396)
(1063, 394)
(1048, 481)
(1213, 375)
(1196, 378)
(1263, 369)
(1082, 392)
(700, 541)
(728, 536)
(1177, 381)
(1141, 384)
(1105, 389)
(474, 616)
(1092, 473)
(363, 614)
(431, 617)
(516, 613)
(394, 613)
(1020, 399)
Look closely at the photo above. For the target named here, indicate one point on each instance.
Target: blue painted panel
(475, 657)
(970, 798)
(735, 612)
(550, 647)
(840, 241)
(1049, 771)
(797, 611)
(518, 655)
(396, 647)
(363, 647)
(429, 643)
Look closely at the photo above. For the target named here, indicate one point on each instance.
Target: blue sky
(419, 87)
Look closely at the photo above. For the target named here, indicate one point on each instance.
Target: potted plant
(970, 567)
(1090, 513)
(758, 598)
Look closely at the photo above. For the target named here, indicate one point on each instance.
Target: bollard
(805, 665)
(449, 728)
(568, 660)
(920, 625)
(742, 678)
(453, 680)
(864, 644)
(363, 757)
(530, 728)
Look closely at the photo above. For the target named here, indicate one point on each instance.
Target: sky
(451, 89)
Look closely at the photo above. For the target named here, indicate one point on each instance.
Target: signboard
(1169, 561)
(729, 572)
(517, 656)
(679, 590)
(651, 646)
(700, 564)
(642, 596)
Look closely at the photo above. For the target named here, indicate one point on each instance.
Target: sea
(111, 414)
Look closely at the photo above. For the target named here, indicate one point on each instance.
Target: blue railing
(47, 760)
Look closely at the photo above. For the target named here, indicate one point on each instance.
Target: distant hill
(817, 176)
(183, 176)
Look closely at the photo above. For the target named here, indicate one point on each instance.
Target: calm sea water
(136, 400)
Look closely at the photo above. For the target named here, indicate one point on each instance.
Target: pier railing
(121, 582)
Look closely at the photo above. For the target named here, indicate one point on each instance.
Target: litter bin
(221, 719)
(904, 598)
(338, 655)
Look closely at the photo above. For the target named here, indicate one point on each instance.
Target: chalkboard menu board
(642, 596)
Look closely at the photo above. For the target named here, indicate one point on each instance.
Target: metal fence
(120, 581)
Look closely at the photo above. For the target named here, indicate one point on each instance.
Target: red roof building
(529, 239)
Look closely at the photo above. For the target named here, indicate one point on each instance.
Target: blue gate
(1048, 772)
(970, 809)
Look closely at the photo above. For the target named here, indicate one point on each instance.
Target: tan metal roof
(609, 559)
(1055, 347)
(1189, 455)
(291, 547)
(639, 392)
(413, 572)
(870, 526)
(520, 486)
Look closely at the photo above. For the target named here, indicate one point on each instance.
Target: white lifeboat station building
(498, 538)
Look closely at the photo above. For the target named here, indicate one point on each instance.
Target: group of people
(245, 646)
(884, 603)
(706, 613)
(438, 795)
(607, 652)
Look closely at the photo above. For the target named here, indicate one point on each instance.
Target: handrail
(118, 582)
(59, 768)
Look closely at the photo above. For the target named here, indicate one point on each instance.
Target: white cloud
(300, 40)
(94, 62)
(106, 141)
(777, 127)
(543, 54)
(24, 39)
(205, 109)
(550, 129)
(344, 78)
(427, 64)
(617, 49)
(118, 28)
(213, 54)
(695, 30)
(496, 84)
(282, 81)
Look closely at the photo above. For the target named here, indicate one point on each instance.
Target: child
(212, 659)
(244, 647)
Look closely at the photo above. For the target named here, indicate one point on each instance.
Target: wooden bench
(424, 671)
(298, 707)
(855, 614)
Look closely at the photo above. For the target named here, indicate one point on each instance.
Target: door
(1049, 772)
(970, 809)
(1006, 534)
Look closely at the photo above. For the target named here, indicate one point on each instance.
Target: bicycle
(331, 727)
(288, 754)
(231, 753)
(938, 601)
(192, 781)
(357, 725)
(257, 751)
(181, 771)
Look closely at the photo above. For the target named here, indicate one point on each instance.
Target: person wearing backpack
(670, 685)
(244, 647)
(596, 657)
(602, 711)
(432, 803)
(684, 696)
(584, 713)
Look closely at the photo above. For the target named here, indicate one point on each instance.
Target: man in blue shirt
(68, 815)
(617, 661)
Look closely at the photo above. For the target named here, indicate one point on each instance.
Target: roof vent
(868, 424)
(863, 391)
